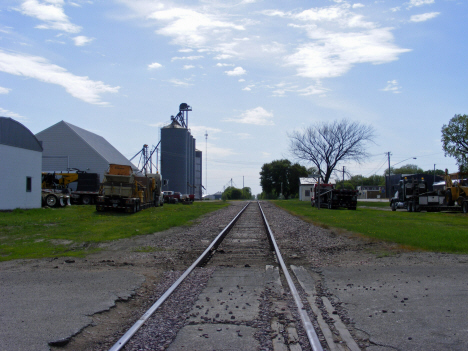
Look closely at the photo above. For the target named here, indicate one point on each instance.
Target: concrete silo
(178, 154)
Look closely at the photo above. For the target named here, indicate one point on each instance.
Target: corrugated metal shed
(68, 146)
(13, 133)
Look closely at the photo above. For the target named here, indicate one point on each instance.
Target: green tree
(455, 140)
(375, 180)
(406, 169)
(438, 172)
(233, 193)
(346, 185)
(281, 176)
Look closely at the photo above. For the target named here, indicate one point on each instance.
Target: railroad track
(249, 272)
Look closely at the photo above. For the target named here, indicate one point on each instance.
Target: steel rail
(309, 328)
(214, 244)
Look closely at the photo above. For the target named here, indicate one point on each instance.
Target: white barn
(67, 146)
(20, 166)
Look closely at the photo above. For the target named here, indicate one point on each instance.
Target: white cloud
(188, 66)
(238, 71)
(39, 68)
(273, 48)
(424, 17)
(315, 89)
(190, 28)
(14, 115)
(392, 86)
(51, 13)
(357, 5)
(334, 54)
(417, 3)
(223, 57)
(247, 88)
(4, 90)
(190, 58)
(179, 83)
(154, 65)
(81, 40)
(312, 90)
(224, 64)
(241, 80)
(257, 116)
(275, 13)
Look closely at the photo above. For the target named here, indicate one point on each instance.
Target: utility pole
(343, 176)
(388, 182)
(434, 177)
(388, 153)
(206, 161)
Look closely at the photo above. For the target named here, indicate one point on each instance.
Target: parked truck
(82, 187)
(413, 194)
(327, 196)
(122, 189)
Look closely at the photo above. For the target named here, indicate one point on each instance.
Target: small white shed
(20, 166)
(305, 188)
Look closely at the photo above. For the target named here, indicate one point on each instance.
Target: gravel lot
(318, 249)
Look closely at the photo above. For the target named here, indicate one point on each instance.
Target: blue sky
(252, 70)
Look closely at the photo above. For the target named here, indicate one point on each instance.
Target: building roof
(307, 181)
(99, 144)
(312, 181)
(173, 124)
(13, 133)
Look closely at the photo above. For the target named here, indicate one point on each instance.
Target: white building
(306, 187)
(20, 166)
(67, 146)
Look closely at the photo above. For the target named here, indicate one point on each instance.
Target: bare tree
(327, 144)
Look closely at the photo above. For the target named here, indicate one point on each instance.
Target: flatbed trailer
(412, 194)
(332, 198)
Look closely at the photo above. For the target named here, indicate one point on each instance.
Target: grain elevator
(178, 155)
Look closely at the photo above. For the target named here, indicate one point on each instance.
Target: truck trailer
(122, 189)
(327, 196)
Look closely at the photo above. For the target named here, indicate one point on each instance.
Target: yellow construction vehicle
(82, 187)
(456, 192)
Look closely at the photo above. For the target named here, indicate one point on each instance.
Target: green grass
(76, 230)
(379, 204)
(441, 232)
